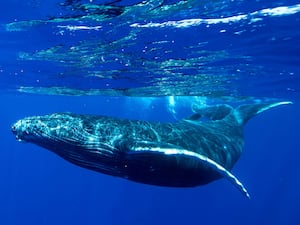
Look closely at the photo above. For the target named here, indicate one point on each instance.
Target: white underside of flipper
(203, 159)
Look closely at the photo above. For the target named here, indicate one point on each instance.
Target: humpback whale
(187, 153)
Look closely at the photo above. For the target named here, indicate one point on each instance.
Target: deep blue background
(38, 187)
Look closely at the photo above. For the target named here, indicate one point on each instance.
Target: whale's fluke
(243, 113)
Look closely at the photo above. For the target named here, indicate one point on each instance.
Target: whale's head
(60, 132)
(56, 127)
(71, 137)
(29, 129)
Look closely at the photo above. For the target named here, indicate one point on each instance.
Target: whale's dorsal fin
(201, 158)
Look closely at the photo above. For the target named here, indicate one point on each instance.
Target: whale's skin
(135, 149)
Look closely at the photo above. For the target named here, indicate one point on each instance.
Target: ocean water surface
(153, 60)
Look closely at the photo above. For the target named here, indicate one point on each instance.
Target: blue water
(57, 57)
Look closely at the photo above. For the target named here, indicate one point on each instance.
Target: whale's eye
(14, 129)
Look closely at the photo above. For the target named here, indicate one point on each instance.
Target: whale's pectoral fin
(201, 158)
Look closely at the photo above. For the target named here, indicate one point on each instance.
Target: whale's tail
(243, 113)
